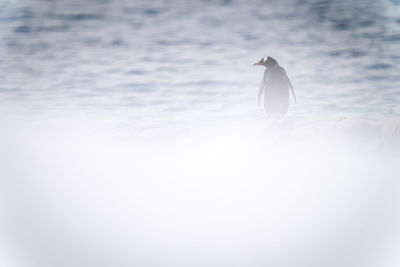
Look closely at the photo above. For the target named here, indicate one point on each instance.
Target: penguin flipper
(261, 89)
(290, 85)
(291, 89)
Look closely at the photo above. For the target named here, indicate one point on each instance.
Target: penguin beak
(258, 63)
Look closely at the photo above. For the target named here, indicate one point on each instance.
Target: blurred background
(130, 134)
(165, 61)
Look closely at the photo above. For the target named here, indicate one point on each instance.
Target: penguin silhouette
(275, 86)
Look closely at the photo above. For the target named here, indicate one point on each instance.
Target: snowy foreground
(297, 192)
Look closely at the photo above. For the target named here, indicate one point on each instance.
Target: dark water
(163, 61)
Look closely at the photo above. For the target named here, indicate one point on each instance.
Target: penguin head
(267, 62)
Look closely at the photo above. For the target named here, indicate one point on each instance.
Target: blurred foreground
(296, 192)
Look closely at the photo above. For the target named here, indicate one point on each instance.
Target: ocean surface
(130, 134)
(176, 61)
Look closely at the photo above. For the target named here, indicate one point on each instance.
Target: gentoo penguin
(275, 86)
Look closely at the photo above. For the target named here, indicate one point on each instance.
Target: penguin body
(275, 86)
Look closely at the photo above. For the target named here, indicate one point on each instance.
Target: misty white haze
(131, 136)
